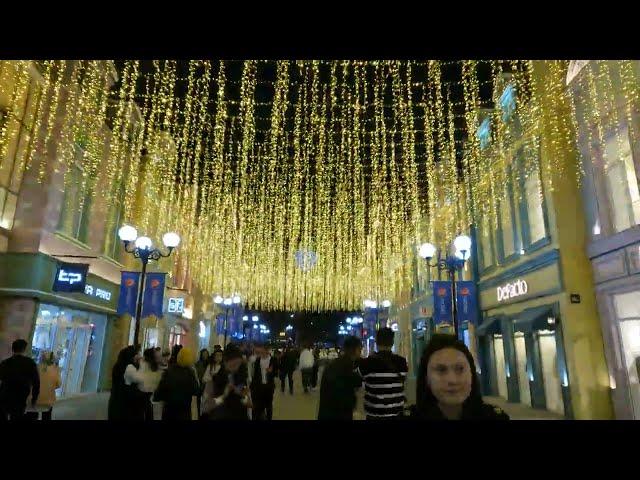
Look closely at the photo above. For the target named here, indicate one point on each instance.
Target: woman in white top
(149, 374)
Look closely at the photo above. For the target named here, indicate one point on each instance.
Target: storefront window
(151, 338)
(627, 306)
(176, 336)
(76, 338)
(533, 191)
(622, 183)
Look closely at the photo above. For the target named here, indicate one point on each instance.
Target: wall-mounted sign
(176, 305)
(70, 277)
(97, 292)
(575, 298)
(512, 290)
(394, 327)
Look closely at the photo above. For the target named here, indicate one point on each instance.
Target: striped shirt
(383, 374)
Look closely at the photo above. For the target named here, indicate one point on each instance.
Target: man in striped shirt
(384, 374)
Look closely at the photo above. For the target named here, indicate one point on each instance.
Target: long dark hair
(125, 357)
(200, 355)
(174, 354)
(212, 358)
(425, 400)
(150, 357)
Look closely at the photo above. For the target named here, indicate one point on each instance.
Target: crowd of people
(239, 382)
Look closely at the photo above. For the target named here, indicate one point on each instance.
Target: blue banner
(128, 293)
(467, 307)
(153, 295)
(442, 302)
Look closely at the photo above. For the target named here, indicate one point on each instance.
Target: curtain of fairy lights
(300, 185)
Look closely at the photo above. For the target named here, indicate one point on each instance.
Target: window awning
(490, 326)
(534, 319)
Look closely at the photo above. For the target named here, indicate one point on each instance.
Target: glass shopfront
(76, 337)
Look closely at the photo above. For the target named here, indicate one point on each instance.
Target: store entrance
(501, 373)
(71, 335)
(550, 376)
(521, 362)
(630, 330)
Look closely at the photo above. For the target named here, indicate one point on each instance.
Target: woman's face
(217, 357)
(449, 376)
(205, 355)
(157, 355)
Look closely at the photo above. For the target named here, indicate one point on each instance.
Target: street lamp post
(451, 264)
(228, 303)
(143, 249)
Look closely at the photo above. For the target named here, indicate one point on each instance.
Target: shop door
(521, 362)
(501, 374)
(552, 386)
(630, 330)
(77, 346)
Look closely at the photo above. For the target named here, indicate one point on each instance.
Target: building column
(583, 343)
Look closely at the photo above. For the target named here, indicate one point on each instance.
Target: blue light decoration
(306, 259)
(484, 133)
(508, 102)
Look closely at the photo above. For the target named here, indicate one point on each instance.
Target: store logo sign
(97, 292)
(176, 305)
(70, 277)
(512, 290)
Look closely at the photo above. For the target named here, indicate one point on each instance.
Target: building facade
(540, 342)
(607, 115)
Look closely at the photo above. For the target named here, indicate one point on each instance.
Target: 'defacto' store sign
(512, 290)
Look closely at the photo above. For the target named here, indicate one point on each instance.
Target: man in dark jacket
(18, 377)
(289, 363)
(340, 381)
(263, 384)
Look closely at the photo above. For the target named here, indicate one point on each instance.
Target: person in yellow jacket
(178, 386)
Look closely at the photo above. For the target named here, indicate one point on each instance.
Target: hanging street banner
(442, 306)
(128, 293)
(153, 299)
(467, 306)
(70, 277)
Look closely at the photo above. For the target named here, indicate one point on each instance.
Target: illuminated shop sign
(176, 305)
(70, 277)
(512, 290)
(97, 292)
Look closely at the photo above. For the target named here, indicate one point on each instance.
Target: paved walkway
(299, 406)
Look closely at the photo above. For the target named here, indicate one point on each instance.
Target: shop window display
(71, 336)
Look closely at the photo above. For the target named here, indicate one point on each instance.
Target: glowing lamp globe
(127, 233)
(386, 304)
(144, 243)
(427, 250)
(171, 239)
(462, 243)
(218, 299)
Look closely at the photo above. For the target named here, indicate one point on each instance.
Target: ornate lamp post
(376, 307)
(229, 304)
(143, 249)
(451, 264)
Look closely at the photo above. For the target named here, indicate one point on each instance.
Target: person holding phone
(229, 399)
